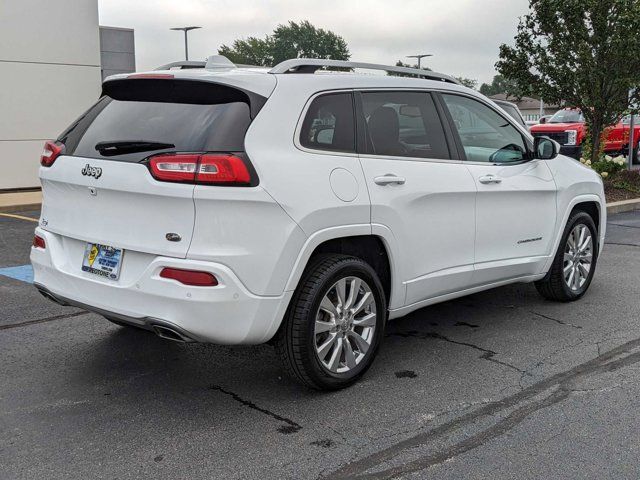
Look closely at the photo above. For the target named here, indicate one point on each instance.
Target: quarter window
(403, 124)
(329, 124)
(486, 136)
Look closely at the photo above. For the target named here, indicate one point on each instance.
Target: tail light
(209, 168)
(38, 242)
(50, 152)
(190, 277)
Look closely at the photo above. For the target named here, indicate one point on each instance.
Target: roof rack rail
(310, 65)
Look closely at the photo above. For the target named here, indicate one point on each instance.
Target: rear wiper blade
(130, 146)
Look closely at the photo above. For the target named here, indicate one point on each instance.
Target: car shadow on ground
(413, 345)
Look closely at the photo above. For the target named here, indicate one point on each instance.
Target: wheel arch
(377, 248)
(588, 203)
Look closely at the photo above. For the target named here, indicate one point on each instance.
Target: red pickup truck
(567, 127)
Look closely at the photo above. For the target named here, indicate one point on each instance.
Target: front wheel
(575, 261)
(334, 325)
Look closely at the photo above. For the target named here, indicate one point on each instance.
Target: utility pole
(631, 132)
(420, 57)
(186, 44)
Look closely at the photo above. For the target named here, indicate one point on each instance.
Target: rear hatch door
(101, 190)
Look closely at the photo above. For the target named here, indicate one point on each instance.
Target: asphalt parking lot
(499, 385)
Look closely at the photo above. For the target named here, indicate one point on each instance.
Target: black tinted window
(404, 124)
(329, 124)
(190, 127)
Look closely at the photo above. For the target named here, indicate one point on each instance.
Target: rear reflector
(209, 168)
(190, 277)
(50, 152)
(38, 242)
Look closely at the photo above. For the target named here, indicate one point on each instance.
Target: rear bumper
(227, 313)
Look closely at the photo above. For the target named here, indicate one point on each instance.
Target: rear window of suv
(180, 118)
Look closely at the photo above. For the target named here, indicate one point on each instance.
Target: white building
(50, 71)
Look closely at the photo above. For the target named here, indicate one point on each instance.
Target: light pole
(186, 46)
(420, 57)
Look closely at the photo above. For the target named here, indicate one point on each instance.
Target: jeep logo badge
(89, 171)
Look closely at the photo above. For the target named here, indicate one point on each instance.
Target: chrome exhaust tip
(169, 333)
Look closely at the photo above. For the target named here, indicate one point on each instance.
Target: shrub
(607, 165)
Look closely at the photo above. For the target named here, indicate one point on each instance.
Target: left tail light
(208, 169)
(51, 151)
(38, 242)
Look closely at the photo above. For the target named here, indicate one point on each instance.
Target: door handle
(489, 179)
(389, 179)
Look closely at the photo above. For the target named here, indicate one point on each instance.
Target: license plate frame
(102, 260)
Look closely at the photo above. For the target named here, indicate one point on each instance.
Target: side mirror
(543, 120)
(544, 148)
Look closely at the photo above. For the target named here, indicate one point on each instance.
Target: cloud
(463, 35)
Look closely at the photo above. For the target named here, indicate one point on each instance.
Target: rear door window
(403, 124)
(167, 122)
(329, 124)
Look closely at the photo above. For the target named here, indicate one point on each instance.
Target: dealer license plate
(102, 260)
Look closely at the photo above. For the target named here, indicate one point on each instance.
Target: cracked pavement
(500, 385)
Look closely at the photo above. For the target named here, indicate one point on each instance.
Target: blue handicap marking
(24, 273)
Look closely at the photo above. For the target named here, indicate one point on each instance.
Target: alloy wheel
(345, 324)
(578, 257)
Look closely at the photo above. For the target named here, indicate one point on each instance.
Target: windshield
(513, 112)
(567, 116)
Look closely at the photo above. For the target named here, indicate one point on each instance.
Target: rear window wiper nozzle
(130, 146)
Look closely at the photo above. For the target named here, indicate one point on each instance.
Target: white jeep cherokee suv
(304, 207)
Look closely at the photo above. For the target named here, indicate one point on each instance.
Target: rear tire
(575, 262)
(334, 325)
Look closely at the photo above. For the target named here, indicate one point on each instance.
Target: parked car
(244, 206)
(513, 111)
(567, 127)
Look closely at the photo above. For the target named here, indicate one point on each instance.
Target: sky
(463, 35)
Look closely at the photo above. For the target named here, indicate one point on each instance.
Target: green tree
(250, 51)
(500, 84)
(293, 40)
(468, 82)
(585, 53)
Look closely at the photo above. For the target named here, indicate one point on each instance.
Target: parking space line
(24, 273)
(19, 217)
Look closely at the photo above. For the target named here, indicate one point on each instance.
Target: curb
(623, 206)
(19, 208)
(16, 201)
